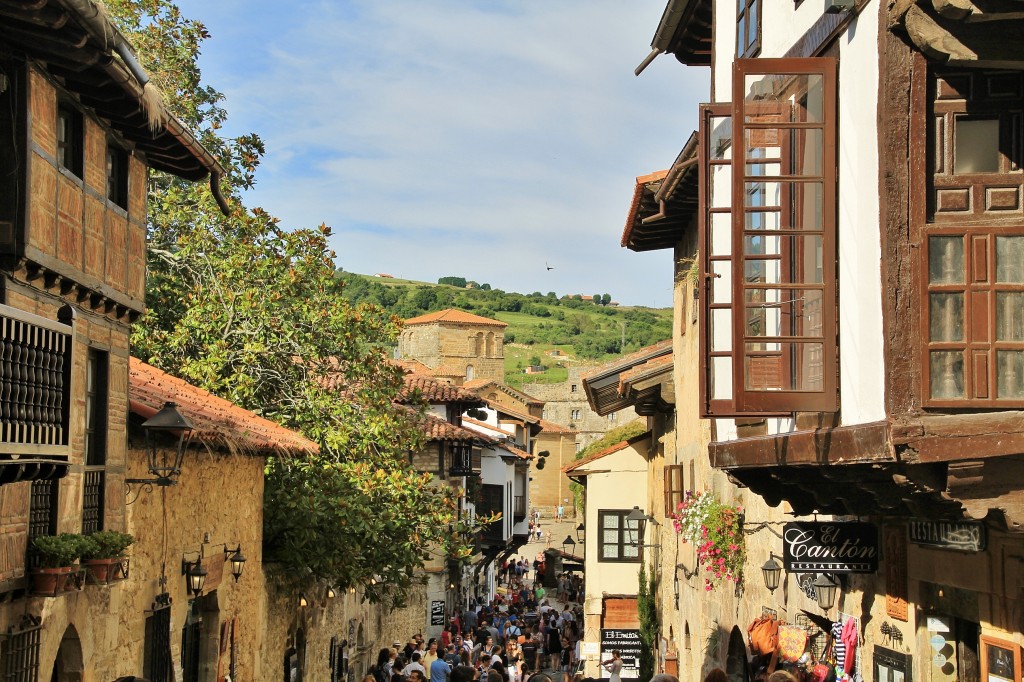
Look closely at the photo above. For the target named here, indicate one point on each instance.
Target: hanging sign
(830, 547)
(437, 612)
(966, 536)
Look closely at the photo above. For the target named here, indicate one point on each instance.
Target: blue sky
(454, 137)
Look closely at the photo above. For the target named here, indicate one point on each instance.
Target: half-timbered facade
(848, 228)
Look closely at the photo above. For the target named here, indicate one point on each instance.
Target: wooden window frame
(748, 48)
(743, 401)
(97, 404)
(117, 176)
(934, 154)
(70, 139)
(675, 488)
(622, 543)
(986, 643)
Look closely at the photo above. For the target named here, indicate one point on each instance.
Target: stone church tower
(458, 346)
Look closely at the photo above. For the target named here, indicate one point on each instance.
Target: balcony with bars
(35, 383)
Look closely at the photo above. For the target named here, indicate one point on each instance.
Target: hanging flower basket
(715, 530)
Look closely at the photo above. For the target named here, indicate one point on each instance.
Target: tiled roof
(455, 316)
(479, 384)
(638, 193)
(627, 361)
(435, 428)
(447, 371)
(652, 366)
(663, 204)
(413, 366)
(488, 427)
(551, 427)
(501, 409)
(434, 391)
(621, 445)
(218, 422)
(520, 454)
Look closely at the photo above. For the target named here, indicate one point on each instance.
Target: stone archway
(736, 662)
(69, 664)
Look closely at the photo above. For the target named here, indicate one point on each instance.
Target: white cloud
(445, 137)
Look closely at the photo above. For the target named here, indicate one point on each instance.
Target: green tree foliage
(255, 314)
(454, 281)
(606, 299)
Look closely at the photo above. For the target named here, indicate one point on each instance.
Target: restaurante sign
(830, 547)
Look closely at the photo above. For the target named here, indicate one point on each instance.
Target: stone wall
(456, 347)
(549, 486)
(566, 404)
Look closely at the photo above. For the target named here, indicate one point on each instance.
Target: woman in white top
(614, 666)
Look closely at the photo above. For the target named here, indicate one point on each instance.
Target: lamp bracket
(687, 573)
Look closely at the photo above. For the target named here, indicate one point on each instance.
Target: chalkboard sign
(437, 612)
(628, 644)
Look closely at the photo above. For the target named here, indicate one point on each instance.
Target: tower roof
(456, 317)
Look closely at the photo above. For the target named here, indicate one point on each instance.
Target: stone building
(457, 346)
(565, 404)
(78, 140)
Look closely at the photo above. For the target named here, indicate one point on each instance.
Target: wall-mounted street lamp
(237, 560)
(195, 575)
(772, 572)
(636, 523)
(581, 533)
(568, 544)
(168, 433)
(825, 591)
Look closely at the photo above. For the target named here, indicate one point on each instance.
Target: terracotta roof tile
(435, 428)
(621, 445)
(455, 316)
(217, 421)
(551, 427)
(627, 361)
(434, 391)
(652, 366)
(638, 192)
(501, 409)
(447, 371)
(412, 366)
(520, 454)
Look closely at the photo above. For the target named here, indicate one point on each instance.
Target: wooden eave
(986, 34)
(603, 386)
(685, 31)
(63, 43)
(665, 207)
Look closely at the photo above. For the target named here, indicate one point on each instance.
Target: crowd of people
(512, 638)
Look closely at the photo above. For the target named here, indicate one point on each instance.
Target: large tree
(253, 313)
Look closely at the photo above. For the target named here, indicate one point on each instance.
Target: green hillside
(538, 323)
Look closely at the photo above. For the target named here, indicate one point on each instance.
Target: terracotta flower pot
(50, 581)
(104, 571)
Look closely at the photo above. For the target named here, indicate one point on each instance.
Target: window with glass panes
(614, 540)
(96, 373)
(973, 246)
(748, 27)
(768, 241)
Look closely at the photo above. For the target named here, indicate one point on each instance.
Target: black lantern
(196, 577)
(568, 544)
(772, 572)
(237, 560)
(165, 462)
(330, 592)
(635, 522)
(824, 591)
(581, 533)
(303, 602)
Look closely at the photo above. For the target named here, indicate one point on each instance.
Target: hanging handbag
(823, 673)
(764, 635)
(792, 642)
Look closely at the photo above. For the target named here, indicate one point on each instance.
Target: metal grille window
(157, 654)
(42, 515)
(96, 373)
(21, 656)
(92, 501)
(34, 383)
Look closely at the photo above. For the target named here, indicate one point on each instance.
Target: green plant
(714, 529)
(647, 612)
(106, 544)
(56, 551)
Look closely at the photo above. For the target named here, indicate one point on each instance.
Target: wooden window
(70, 133)
(768, 241)
(973, 255)
(674, 488)
(96, 403)
(117, 176)
(748, 28)
(614, 537)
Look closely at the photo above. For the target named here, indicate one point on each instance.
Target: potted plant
(57, 556)
(715, 530)
(103, 555)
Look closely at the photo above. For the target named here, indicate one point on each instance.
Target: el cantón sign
(830, 547)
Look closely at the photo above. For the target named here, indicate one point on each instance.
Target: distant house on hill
(384, 274)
